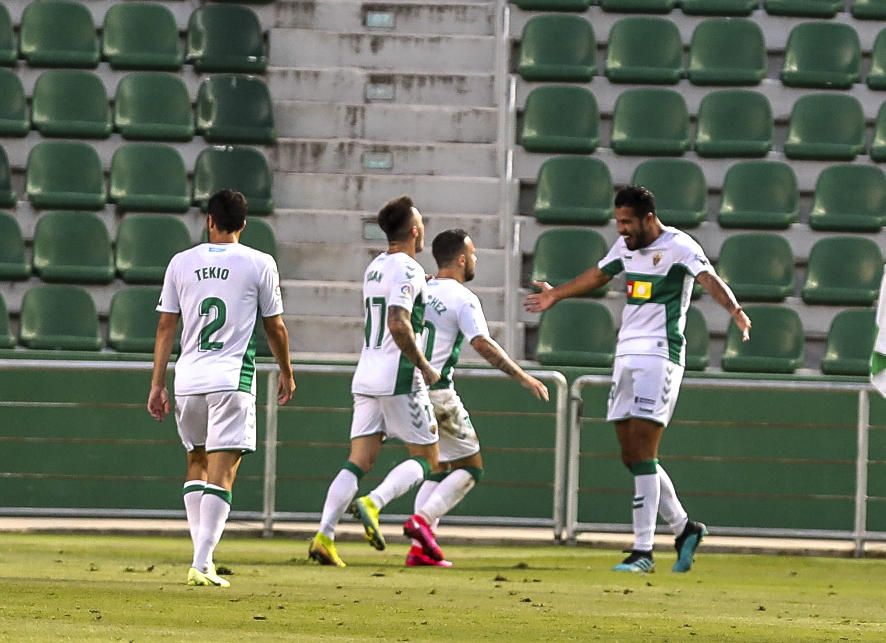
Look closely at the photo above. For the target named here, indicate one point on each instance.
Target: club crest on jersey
(639, 289)
(656, 258)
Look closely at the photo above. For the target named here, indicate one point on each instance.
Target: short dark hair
(228, 210)
(448, 245)
(636, 197)
(395, 218)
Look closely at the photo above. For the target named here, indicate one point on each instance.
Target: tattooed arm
(404, 337)
(497, 357)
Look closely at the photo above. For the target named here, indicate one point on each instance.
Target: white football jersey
(452, 314)
(218, 289)
(659, 288)
(390, 280)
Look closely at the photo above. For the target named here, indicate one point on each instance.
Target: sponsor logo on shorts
(643, 400)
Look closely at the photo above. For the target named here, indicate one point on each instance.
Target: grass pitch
(132, 588)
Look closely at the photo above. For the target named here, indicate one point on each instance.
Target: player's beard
(469, 274)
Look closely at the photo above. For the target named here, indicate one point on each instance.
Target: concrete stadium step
(352, 156)
(385, 122)
(351, 85)
(367, 192)
(444, 54)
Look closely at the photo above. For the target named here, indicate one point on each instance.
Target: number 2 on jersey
(221, 315)
(379, 304)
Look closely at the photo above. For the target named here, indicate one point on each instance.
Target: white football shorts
(458, 438)
(223, 421)
(408, 417)
(644, 386)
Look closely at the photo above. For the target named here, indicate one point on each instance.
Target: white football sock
(341, 493)
(448, 494)
(669, 505)
(647, 491)
(215, 505)
(192, 492)
(399, 480)
(421, 496)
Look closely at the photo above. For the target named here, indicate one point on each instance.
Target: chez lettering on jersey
(438, 306)
(211, 272)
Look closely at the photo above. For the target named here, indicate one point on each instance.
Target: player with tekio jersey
(660, 264)
(389, 386)
(217, 289)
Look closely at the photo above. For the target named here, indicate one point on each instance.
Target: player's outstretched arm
(497, 357)
(278, 342)
(723, 295)
(589, 280)
(401, 331)
(158, 398)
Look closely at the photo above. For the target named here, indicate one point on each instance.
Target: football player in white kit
(390, 384)
(660, 264)
(216, 289)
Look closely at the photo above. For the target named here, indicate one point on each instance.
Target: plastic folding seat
(651, 122)
(70, 103)
(822, 54)
(826, 127)
(758, 266)
(679, 187)
(259, 234)
(844, 271)
(718, 7)
(132, 321)
(8, 50)
(775, 346)
(65, 174)
(14, 119)
(244, 169)
(849, 198)
(727, 51)
(141, 36)
(876, 78)
(734, 122)
(139, 115)
(760, 194)
(146, 243)
(7, 196)
(850, 343)
(59, 318)
(803, 8)
(150, 177)
(878, 145)
(553, 5)
(226, 38)
(560, 255)
(58, 33)
(697, 341)
(638, 6)
(574, 189)
(13, 265)
(73, 247)
(576, 333)
(558, 48)
(869, 9)
(236, 109)
(644, 50)
(560, 119)
(7, 339)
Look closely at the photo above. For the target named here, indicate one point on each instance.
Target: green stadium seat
(132, 321)
(146, 243)
(8, 50)
(13, 264)
(843, 271)
(760, 194)
(574, 189)
(226, 38)
(141, 36)
(7, 196)
(553, 5)
(638, 6)
(72, 247)
(878, 145)
(244, 169)
(775, 346)
(59, 318)
(718, 7)
(7, 339)
(869, 9)
(826, 127)
(650, 122)
(876, 78)
(560, 119)
(558, 48)
(758, 266)
(259, 234)
(697, 341)
(562, 254)
(822, 54)
(139, 115)
(65, 174)
(14, 120)
(150, 177)
(734, 122)
(850, 343)
(58, 33)
(727, 51)
(70, 103)
(644, 50)
(849, 198)
(803, 8)
(576, 333)
(679, 187)
(234, 108)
